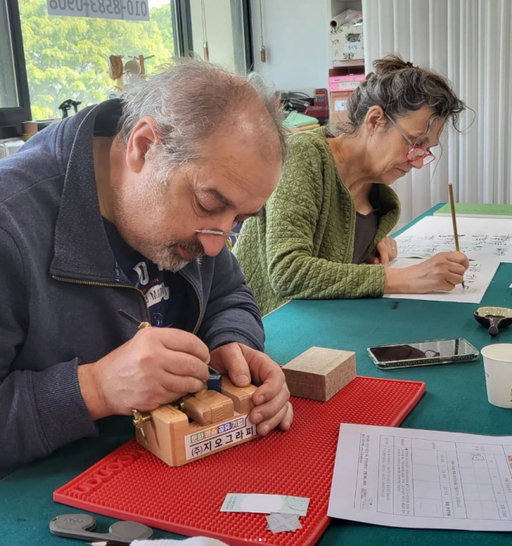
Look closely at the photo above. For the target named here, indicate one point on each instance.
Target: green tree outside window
(67, 57)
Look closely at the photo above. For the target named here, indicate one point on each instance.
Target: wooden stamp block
(319, 373)
(216, 425)
(221, 406)
(241, 396)
(207, 407)
(197, 410)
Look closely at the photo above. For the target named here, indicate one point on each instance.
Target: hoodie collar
(82, 250)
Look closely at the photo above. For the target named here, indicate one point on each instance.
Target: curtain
(469, 42)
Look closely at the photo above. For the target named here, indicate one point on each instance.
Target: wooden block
(166, 424)
(241, 396)
(197, 410)
(221, 406)
(175, 439)
(251, 389)
(319, 373)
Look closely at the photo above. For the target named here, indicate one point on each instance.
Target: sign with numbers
(128, 10)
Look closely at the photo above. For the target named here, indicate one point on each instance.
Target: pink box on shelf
(345, 83)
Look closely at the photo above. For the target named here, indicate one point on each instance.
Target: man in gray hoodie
(127, 206)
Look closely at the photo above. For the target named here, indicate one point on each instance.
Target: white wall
(296, 35)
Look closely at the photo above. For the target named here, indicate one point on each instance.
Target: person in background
(324, 231)
(127, 206)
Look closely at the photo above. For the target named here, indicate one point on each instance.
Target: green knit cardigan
(302, 244)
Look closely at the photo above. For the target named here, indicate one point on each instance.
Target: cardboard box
(338, 106)
(347, 82)
(347, 42)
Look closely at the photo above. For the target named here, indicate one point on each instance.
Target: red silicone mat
(133, 484)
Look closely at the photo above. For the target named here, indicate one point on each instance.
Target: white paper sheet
(476, 280)
(480, 239)
(487, 242)
(422, 479)
(442, 225)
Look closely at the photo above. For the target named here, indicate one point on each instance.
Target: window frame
(11, 118)
(182, 26)
(248, 39)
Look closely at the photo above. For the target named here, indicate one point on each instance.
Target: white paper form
(422, 479)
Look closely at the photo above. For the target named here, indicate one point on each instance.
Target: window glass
(67, 57)
(8, 91)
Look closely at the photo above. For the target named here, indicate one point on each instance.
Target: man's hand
(271, 398)
(157, 366)
(385, 252)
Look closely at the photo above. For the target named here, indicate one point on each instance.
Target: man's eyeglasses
(415, 152)
(219, 232)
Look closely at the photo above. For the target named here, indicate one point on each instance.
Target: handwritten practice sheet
(422, 479)
(487, 242)
(476, 281)
(480, 239)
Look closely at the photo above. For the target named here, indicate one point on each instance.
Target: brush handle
(454, 219)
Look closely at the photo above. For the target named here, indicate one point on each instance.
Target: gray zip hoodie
(60, 290)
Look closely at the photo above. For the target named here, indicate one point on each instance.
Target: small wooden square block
(208, 407)
(319, 373)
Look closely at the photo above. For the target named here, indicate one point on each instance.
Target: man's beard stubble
(165, 258)
(163, 255)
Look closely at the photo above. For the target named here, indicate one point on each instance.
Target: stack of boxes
(347, 58)
(340, 89)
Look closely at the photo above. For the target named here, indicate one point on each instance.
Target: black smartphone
(423, 353)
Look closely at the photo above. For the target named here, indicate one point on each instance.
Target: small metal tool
(143, 325)
(81, 526)
(139, 419)
(131, 318)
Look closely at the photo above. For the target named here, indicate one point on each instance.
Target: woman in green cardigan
(324, 231)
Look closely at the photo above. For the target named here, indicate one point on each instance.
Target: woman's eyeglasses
(415, 152)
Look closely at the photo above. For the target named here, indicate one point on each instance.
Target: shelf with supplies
(346, 55)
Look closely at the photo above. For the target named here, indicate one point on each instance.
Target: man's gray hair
(190, 99)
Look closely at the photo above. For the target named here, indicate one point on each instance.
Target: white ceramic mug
(498, 373)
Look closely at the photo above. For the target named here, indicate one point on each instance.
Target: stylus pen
(142, 325)
(454, 222)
